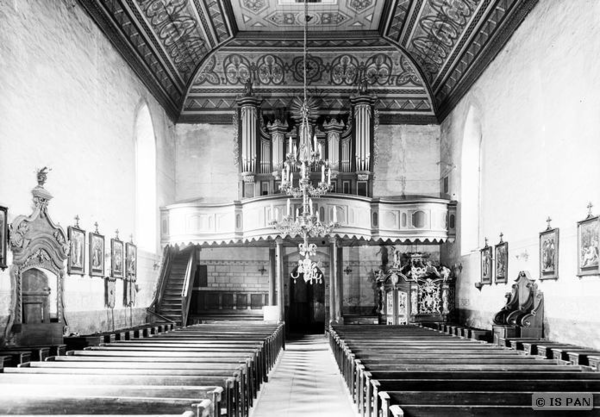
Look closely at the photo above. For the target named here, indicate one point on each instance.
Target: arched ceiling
(419, 57)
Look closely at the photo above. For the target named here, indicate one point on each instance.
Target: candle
(329, 176)
(288, 207)
(311, 207)
(294, 149)
(322, 173)
(318, 219)
(297, 213)
(315, 143)
(290, 145)
(335, 214)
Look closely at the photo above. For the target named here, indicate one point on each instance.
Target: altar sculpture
(415, 289)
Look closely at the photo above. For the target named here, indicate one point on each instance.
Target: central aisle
(305, 383)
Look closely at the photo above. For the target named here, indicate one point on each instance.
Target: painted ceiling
(418, 57)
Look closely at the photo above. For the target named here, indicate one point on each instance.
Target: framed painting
(96, 254)
(501, 257)
(117, 266)
(3, 236)
(131, 261)
(549, 254)
(588, 237)
(487, 267)
(76, 260)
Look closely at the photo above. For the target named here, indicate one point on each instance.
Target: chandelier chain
(305, 223)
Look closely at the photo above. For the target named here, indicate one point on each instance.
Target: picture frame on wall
(117, 258)
(588, 238)
(501, 265)
(549, 241)
(131, 261)
(3, 236)
(76, 259)
(487, 266)
(96, 248)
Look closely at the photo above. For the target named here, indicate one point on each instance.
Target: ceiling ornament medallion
(360, 5)
(255, 6)
(344, 70)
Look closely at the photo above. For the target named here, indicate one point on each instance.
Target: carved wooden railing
(424, 219)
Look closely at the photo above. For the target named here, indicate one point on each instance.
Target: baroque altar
(415, 289)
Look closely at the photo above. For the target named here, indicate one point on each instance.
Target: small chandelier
(305, 222)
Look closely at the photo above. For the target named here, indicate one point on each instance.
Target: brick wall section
(237, 276)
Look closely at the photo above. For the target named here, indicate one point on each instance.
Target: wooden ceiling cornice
(420, 56)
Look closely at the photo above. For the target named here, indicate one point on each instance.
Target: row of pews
(201, 370)
(416, 371)
(562, 353)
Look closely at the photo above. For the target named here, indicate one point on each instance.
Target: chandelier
(306, 222)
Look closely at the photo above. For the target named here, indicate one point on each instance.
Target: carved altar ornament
(36, 243)
(35, 240)
(427, 282)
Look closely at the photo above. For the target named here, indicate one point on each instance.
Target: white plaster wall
(539, 103)
(206, 169)
(407, 161)
(69, 101)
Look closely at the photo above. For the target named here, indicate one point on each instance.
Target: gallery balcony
(391, 220)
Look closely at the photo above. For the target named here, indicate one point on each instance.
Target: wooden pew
(17, 357)
(108, 389)
(5, 361)
(472, 403)
(406, 361)
(200, 358)
(25, 403)
(239, 392)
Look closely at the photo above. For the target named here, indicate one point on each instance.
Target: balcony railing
(380, 219)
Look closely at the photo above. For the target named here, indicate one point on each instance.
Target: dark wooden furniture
(421, 371)
(523, 313)
(217, 369)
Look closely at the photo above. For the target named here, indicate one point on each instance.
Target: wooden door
(36, 291)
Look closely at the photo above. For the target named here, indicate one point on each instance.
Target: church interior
(229, 207)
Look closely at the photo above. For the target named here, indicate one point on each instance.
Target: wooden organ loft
(266, 136)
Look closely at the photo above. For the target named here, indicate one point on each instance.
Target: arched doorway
(307, 305)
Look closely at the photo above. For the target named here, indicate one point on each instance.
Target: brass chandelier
(306, 222)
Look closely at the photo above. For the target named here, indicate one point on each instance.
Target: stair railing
(163, 277)
(186, 290)
(160, 316)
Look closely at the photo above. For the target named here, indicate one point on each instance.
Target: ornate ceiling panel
(334, 69)
(419, 56)
(326, 15)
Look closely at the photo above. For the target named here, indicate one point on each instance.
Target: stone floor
(305, 382)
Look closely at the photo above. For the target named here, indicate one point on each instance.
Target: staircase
(175, 291)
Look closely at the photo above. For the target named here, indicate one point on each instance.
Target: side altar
(415, 289)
